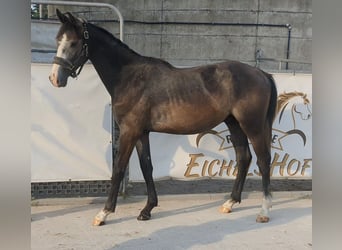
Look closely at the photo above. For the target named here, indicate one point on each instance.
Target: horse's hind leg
(262, 147)
(243, 160)
(143, 149)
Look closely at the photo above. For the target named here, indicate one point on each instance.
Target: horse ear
(61, 16)
(76, 22)
(71, 18)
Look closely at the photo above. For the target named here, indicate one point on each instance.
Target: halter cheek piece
(76, 67)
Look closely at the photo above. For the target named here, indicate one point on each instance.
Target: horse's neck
(108, 57)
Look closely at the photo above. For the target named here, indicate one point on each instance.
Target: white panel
(70, 135)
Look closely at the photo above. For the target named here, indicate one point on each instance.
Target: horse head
(72, 49)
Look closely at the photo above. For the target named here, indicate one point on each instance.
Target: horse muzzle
(57, 81)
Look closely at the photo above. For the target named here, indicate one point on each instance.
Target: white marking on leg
(229, 204)
(100, 218)
(227, 207)
(266, 205)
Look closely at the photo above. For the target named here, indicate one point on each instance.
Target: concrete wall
(185, 45)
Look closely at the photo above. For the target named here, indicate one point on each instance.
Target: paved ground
(180, 222)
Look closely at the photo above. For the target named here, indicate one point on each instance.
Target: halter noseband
(75, 68)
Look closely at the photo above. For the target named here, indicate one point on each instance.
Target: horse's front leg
(126, 144)
(110, 205)
(143, 149)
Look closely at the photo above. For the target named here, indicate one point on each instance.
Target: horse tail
(272, 107)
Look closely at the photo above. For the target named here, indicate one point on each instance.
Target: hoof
(97, 222)
(100, 218)
(225, 210)
(144, 216)
(262, 219)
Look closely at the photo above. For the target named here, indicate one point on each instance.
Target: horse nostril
(54, 80)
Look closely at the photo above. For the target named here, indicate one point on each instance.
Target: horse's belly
(187, 120)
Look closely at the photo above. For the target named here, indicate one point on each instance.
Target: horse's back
(190, 100)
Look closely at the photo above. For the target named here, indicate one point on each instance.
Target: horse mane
(284, 98)
(112, 37)
(125, 46)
